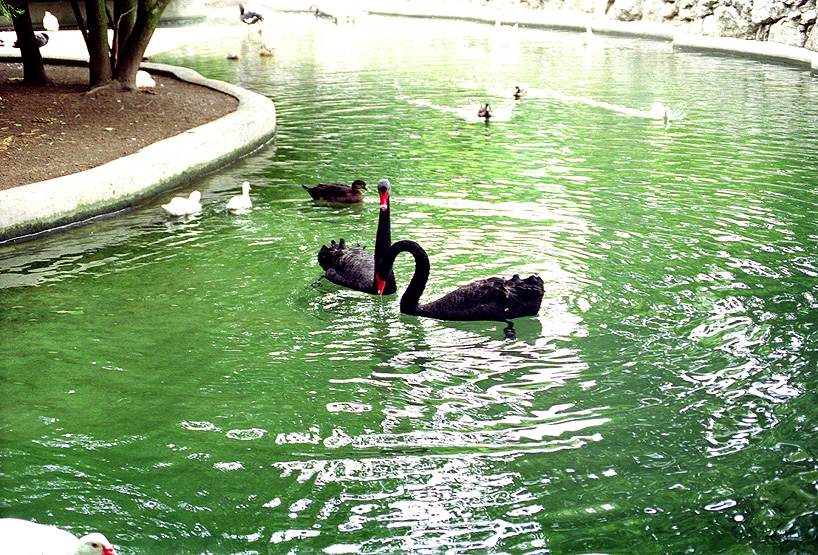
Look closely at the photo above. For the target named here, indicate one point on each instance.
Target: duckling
(338, 193)
(242, 202)
(484, 111)
(180, 206)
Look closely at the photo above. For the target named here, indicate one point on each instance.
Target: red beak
(384, 200)
(108, 551)
(381, 284)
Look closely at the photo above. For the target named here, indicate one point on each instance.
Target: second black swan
(354, 267)
(495, 299)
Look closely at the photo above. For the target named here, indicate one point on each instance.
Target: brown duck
(335, 193)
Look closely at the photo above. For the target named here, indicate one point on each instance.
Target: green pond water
(186, 387)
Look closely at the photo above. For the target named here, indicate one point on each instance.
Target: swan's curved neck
(383, 236)
(411, 297)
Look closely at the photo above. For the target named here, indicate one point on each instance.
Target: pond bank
(31, 210)
(576, 19)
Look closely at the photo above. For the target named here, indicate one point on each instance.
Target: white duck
(50, 22)
(180, 206)
(144, 80)
(22, 537)
(662, 112)
(241, 202)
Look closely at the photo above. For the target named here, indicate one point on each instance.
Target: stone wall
(791, 22)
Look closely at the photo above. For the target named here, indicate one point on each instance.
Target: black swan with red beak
(495, 299)
(354, 267)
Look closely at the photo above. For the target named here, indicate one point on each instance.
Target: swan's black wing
(352, 267)
(525, 295)
(494, 299)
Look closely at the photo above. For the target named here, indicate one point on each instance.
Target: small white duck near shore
(22, 537)
(180, 206)
(144, 80)
(242, 202)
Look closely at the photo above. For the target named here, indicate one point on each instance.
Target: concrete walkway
(30, 210)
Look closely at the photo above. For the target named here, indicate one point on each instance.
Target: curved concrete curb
(573, 21)
(30, 210)
(769, 51)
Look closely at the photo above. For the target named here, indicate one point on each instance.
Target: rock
(654, 10)
(812, 39)
(809, 16)
(710, 26)
(729, 23)
(766, 11)
(686, 9)
(703, 8)
(787, 31)
(627, 10)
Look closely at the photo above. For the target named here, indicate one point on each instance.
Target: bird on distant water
(242, 202)
(248, 17)
(23, 537)
(520, 92)
(181, 206)
(323, 15)
(484, 111)
(231, 56)
(337, 193)
(266, 51)
(50, 22)
(41, 38)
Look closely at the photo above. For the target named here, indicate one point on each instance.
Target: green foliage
(7, 10)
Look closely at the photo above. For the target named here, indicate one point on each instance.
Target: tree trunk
(124, 18)
(33, 68)
(98, 50)
(147, 18)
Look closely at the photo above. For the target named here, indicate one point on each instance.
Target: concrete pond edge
(29, 211)
(573, 21)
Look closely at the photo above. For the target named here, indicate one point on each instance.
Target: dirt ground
(60, 129)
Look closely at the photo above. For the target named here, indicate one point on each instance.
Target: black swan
(493, 298)
(354, 267)
(484, 111)
(249, 17)
(323, 15)
(337, 193)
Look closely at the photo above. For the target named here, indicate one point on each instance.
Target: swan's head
(384, 188)
(359, 184)
(245, 188)
(95, 544)
(195, 196)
